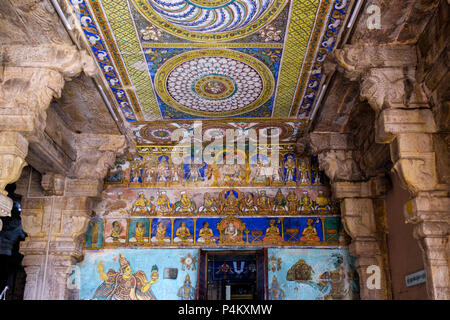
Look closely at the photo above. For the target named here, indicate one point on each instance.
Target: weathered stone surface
(402, 21)
(374, 188)
(67, 60)
(430, 214)
(392, 122)
(13, 150)
(55, 223)
(96, 154)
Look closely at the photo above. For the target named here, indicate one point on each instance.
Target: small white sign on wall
(415, 278)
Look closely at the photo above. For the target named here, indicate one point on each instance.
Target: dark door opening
(232, 275)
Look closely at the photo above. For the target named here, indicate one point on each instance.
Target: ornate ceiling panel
(160, 132)
(212, 59)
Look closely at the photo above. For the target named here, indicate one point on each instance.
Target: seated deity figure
(140, 204)
(248, 204)
(230, 232)
(292, 201)
(230, 204)
(289, 167)
(279, 202)
(263, 202)
(162, 171)
(304, 176)
(160, 235)
(305, 203)
(323, 203)
(116, 231)
(139, 232)
(206, 234)
(163, 204)
(272, 233)
(310, 232)
(209, 206)
(183, 234)
(185, 204)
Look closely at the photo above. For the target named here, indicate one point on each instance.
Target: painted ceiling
(227, 61)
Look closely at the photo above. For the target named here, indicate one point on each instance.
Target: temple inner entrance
(233, 275)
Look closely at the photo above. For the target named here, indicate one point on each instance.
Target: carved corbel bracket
(13, 150)
(339, 165)
(96, 154)
(414, 161)
(336, 155)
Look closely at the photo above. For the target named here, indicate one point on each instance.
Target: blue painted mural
(311, 274)
(129, 274)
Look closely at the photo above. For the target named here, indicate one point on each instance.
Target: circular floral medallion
(214, 83)
(215, 87)
(157, 132)
(210, 20)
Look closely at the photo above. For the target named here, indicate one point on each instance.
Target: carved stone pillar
(57, 219)
(430, 214)
(405, 121)
(359, 205)
(358, 209)
(13, 150)
(55, 223)
(30, 77)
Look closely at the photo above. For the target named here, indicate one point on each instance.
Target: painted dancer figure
(124, 285)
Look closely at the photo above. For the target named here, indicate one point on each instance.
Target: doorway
(232, 275)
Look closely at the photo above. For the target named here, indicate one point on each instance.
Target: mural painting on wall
(134, 275)
(217, 232)
(313, 274)
(214, 201)
(150, 203)
(125, 285)
(158, 170)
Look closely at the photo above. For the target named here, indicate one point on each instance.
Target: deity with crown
(125, 285)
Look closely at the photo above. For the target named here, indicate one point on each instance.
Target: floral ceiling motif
(171, 60)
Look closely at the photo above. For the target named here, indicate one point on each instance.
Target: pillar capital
(374, 188)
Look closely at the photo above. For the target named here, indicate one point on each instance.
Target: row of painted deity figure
(289, 172)
(230, 232)
(231, 202)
